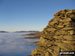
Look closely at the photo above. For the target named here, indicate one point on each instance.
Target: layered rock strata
(59, 35)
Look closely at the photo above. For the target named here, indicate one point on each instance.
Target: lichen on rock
(59, 34)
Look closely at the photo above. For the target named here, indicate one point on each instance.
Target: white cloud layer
(15, 42)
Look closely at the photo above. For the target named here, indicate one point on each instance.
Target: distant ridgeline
(3, 32)
(58, 36)
(25, 31)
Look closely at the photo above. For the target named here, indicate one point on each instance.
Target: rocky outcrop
(59, 35)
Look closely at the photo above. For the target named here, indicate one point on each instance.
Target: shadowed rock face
(59, 35)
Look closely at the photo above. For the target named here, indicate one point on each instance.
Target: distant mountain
(3, 32)
(25, 31)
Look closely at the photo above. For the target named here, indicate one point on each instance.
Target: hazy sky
(30, 14)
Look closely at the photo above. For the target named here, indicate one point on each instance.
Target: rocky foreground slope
(59, 35)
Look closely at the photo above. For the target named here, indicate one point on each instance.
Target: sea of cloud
(15, 43)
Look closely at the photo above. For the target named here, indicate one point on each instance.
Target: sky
(17, 15)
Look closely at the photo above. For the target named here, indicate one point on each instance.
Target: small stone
(47, 54)
(51, 29)
(60, 26)
(71, 32)
(68, 28)
(69, 37)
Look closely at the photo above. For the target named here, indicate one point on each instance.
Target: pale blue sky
(30, 14)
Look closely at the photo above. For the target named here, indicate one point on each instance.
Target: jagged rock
(59, 34)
